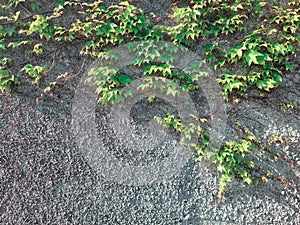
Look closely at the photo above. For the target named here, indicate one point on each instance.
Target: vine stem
(23, 7)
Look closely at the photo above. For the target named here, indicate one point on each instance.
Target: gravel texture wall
(46, 178)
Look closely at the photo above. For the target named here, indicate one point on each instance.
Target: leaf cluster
(264, 54)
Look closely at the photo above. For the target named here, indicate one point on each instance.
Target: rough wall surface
(45, 178)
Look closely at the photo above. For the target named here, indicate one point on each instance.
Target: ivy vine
(265, 53)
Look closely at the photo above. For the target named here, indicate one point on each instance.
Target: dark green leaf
(124, 79)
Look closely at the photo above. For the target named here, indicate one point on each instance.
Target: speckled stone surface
(45, 177)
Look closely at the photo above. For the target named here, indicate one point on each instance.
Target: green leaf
(252, 57)
(255, 181)
(277, 78)
(239, 52)
(289, 66)
(35, 6)
(10, 31)
(219, 64)
(124, 79)
(172, 90)
(115, 80)
(125, 3)
(211, 57)
(28, 67)
(4, 73)
(2, 44)
(19, 43)
(60, 4)
(151, 98)
(247, 180)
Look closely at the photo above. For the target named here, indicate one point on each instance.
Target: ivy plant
(263, 55)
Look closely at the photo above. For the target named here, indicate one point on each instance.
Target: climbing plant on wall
(264, 53)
